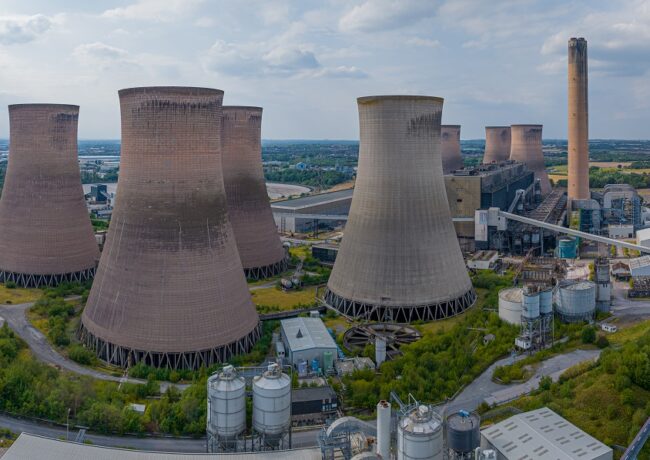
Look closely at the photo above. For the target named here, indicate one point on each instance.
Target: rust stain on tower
(45, 233)
(450, 148)
(170, 290)
(578, 148)
(400, 259)
(260, 248)
(526, 147)
(497, 144)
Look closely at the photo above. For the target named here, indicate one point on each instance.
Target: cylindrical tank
(546, 301)
(450, 148)
(576, 300)
(258, 242)
(530, 304)
(226, 403)
(463, 432)
(380, 350)
(526, 147)
(170, 290)
(510, 300)
(567, 247)
(601, 270)
(383, 429)
(419, 435)
(497, 144)
(399, 228)
(302, 367)
(272, 402)
(315, 365)
(45, 233)
(328, 360)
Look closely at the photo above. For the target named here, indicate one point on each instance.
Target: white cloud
(99, 51)
(204, 22)
(340, 72)
(289, 59)
(375, 15)
(153, 10)
(22, 29)
(424, 42)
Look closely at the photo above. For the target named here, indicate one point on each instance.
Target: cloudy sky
(306, 61)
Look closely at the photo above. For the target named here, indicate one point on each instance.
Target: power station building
(170, 289)
(45, 233)
(526, 147)
(578, 146)
(399, 259)
(258, 242)
(302, 215)
(497, 144)
(450, 148)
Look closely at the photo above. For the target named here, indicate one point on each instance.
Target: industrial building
(621, 205)
(643, 237)
(170, 289)
(45, 233)
(526, 147)
(639, 266)
(483, 260)
(325, 253)
(497, 144)
(578, 131)
(307, 341)
(306, 214)
(450, 148)
(483, 187)
(399, 259)
(544, 435)
(258, 242)
(312, 406)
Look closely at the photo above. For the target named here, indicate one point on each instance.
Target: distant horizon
(357, 140)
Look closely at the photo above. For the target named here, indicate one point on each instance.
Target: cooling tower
(258, 242)
(578, 148)
(399, 260)
(170, 290)
(45, 233)
(526, 147)
(497, 144)
(450, 148)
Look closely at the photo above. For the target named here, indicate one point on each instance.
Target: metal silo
(530, 304)
(546, 301)
(497, 144)
(526, 147)
(170, 289)
(249, 211)
(226, 417)
(576, 301)
(510, 300)
(400, 260)
(567, 247)
(420, 435)
(272, 406)
(45, 233)
(463, 434)
(450, 148)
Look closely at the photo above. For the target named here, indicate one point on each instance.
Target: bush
(10, 285)
(588, 334)
(602, 342)
(81, 355)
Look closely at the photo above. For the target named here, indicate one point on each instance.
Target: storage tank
(302, 367)
(567, 247)
(328, 360)
(272, 402)
(576, 301)
(419, 435)
(463, 432)
(510, 305)
(315, 365)
(530, 304)
(226, 403)
(546, 301)
(380, 350)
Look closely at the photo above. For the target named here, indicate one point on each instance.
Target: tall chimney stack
(578, 149)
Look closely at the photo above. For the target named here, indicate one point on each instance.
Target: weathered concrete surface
(450, 148)
(526, 147)
(497, 144)
(578, 133)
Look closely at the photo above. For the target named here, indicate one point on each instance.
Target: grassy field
(18, 295)
(301, 251)
(289, 300)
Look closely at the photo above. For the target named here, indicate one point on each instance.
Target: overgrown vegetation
(310, 177)
(99, 224)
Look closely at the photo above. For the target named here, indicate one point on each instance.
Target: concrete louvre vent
(170, 289)
(45, 233)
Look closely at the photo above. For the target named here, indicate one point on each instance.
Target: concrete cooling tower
(170, 289)
(526, 147)
(578, 148)
(399, 260)
(497, 144)
(450, 148)
(260, 248)
(45, 233)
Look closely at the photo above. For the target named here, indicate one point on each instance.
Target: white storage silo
(419, 435)
(530, 304)
(510, 305)
(272, 403)
(226, 416)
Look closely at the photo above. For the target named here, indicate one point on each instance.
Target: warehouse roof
(312, 394)
(543, 434)
(312, 200)
(306, 333)
(639, 262)
(32, 446)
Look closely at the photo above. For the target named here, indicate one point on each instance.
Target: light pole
(67, 426)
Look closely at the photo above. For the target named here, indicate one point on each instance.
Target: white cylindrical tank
(510, 305)
(272, 402)
(530, 304)
(419, 435)
(546, 301)
(576, 301)
(380, 350)
(383, 429)
(226, 403)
